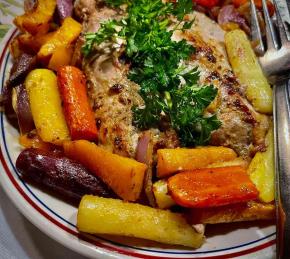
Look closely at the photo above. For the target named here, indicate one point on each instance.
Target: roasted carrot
(211, 187)
(61, 57)
(124, 175)
(77, 110)
(170, 161)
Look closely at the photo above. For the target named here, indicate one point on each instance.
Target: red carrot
(77, 110)
(211, 187)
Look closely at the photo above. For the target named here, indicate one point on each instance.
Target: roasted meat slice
(113, 94)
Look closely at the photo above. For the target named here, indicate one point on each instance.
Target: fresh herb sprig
(170, 91)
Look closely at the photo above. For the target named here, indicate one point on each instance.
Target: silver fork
(275, 61)
(276, 66)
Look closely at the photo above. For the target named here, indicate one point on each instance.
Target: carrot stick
(170, 161)
(77, 110)
(124, 175)
(211, 187)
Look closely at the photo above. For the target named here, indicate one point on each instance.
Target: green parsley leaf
(187, 114)
(149, 116)
(187, 25)
(169, 89)
(106, 31)
(182, 8)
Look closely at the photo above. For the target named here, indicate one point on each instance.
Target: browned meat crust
(113, 95)
(110, 91)
(243, 129)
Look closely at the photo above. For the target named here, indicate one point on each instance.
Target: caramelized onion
(228, 14)
(64, 8)
(144, 154)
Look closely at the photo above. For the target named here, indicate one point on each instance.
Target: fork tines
(283, 22)
(275, 56)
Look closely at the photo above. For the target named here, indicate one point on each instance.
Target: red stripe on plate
(90, 240)
(6, 46)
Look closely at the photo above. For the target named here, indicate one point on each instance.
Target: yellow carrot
(170, 161)
(45, 104)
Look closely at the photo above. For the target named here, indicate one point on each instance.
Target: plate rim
(40, 221)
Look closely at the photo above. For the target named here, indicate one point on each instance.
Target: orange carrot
(61, 57)
(124, 175)
(211, 187)
(77, 110)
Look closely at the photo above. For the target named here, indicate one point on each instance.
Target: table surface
(19, 239)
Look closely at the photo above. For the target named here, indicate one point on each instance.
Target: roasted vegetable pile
(59, 131)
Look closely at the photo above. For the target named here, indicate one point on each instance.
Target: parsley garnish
(169, 89)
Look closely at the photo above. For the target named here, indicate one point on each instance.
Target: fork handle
(282, 168)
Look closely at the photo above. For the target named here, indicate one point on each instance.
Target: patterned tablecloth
(19, 239)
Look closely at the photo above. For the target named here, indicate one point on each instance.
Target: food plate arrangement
(58, 217)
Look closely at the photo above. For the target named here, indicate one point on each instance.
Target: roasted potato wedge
(98, 215)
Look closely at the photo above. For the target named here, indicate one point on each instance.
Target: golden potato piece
(98, 215)
(15, 49)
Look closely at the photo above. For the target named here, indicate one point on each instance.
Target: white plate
(58, 219)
